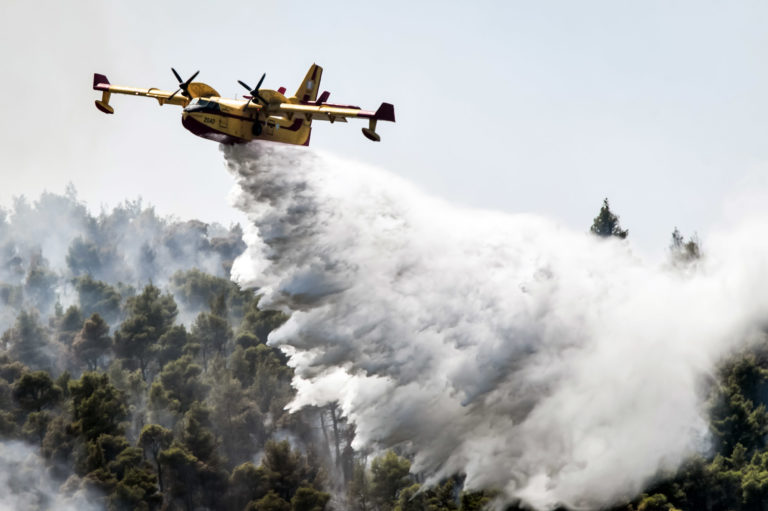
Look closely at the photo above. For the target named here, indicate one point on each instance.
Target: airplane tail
(308, 89)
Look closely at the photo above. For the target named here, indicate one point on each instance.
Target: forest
(134, 374)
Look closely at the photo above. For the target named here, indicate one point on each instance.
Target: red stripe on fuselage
(207, 132)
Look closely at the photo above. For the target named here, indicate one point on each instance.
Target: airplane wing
(164, 97)
(311, 110)
(337, 113)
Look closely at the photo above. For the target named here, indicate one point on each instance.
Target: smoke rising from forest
(59, 265)
(47, 244)
(556, 366)
(24, 483)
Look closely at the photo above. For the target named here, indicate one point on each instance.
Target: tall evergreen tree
(389, 475)
(28, 342)
(69, 324)
(150, 316)
(606, 224)
(35, 391)
(98, 408)
(153, 439)
(684, 251)
(92, 343)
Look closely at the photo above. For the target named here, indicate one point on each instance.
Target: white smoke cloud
(25, 485)
(545, 362)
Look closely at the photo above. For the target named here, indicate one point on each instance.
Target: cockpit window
(202, 105)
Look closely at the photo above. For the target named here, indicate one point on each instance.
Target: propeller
(254, 92)
(183, 85)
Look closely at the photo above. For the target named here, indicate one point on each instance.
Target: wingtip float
(263, 114)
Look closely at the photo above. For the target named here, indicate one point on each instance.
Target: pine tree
(684, 251)
(606, 224)
(151, 315)
(92, 343)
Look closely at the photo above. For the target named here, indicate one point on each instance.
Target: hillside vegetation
(135, 375)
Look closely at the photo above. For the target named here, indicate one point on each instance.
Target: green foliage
(98, 408)
(389, 475)
(28, 342)
(85, 257)
(11, 296)
(657, 502)
(196, 434)
(97, 297)
(260, 322)
(11, 370)
(35, 391)
(69, 324)
(238, 421)
(170, 345)
(682, 251)
(92, 343)
(443, 497)
(59, 445)
(181, 470)
(93, 431)
(737, 477)
(270, 502)
(198, 290)
(136, 491)
(410, 499)
(212, 332)
(36, 426)
(8, 425)
(247, 483)
(178, 386)
(359, 488)
(150, 316)
(104, 450)
(40, 283)
(189, 480)
(264, 370)
(203, 423)
(287, 471)
(754, 486)
(309, 499)
(474, 501)
(606, 224)
(154, 439)
(738, 417)
(285, 468)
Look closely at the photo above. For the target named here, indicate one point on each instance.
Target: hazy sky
(536, 106)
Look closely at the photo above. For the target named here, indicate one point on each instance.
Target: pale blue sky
(538, 106)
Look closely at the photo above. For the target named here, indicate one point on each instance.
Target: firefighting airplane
(262, 114)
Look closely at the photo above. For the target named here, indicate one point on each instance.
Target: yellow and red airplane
(262, 114)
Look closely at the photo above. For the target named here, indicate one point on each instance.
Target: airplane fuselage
(232, 121)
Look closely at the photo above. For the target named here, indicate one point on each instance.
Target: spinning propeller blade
(254, 92)
(183, 85)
